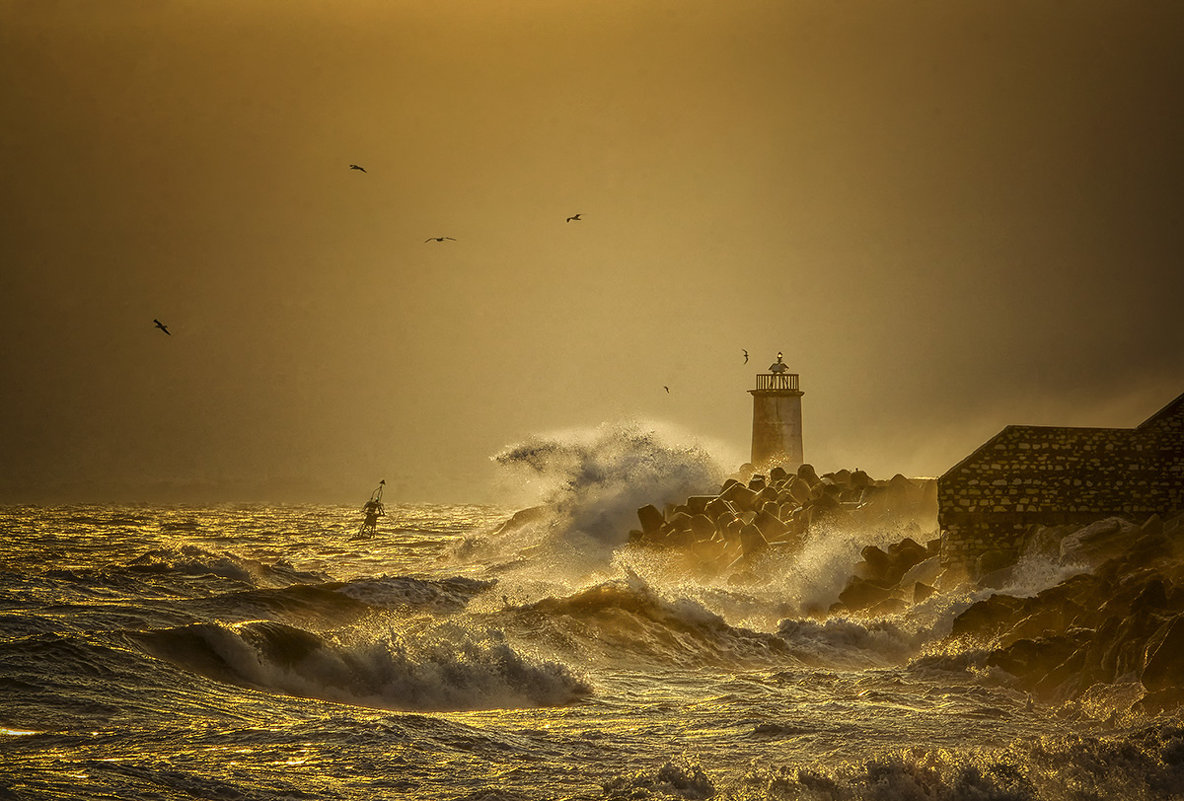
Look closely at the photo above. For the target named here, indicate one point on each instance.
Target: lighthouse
(777, 418)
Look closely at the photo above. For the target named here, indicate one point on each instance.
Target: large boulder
(1163, 657)
(922, 591)
(1031, 660)
(925, 572)
(861, 593)
(702, 526)
(806, 473)
(718, 507)
(771, 527)
(985, 619)
(875, 566)
(752, 540)
(799, 489)
(740, 496)
(1097, 542)
(651, 519)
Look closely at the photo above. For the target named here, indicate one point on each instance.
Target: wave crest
(595, 480)
(437, 669)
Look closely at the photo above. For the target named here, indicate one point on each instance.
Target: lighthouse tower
(777, 418)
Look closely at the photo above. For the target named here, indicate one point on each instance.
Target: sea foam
(444, 668)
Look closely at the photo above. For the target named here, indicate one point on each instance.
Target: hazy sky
(950, 216)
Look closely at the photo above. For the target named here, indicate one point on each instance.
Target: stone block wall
(1044, 475)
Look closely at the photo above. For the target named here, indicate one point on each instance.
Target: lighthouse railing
(777, 381)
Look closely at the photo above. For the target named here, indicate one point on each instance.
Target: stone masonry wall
(1028, 475)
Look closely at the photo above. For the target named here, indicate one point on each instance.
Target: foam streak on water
(258, 653)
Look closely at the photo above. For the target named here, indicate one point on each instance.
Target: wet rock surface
(1120, 619)
(754, 511)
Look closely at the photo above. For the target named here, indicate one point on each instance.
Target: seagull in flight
(161, 326)
(438, 238)
(356, 167)
(745, 356)
(667, 389)
(575, 217)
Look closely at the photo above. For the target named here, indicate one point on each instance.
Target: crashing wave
(593, 481)
(437, 669)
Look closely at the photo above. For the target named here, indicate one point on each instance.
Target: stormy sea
(485, 652)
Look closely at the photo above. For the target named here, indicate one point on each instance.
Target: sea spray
(430, 667)
(590, 484)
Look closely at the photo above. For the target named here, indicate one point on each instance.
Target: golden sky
(950, 216)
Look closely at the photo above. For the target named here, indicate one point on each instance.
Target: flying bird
(356, 167)
(745, 356)
(575, 217)
(438, 238)
(667, 389)
(161, 326)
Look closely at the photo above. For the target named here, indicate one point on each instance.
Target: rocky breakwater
(1118, 621)
(888, 580)
(755, 511)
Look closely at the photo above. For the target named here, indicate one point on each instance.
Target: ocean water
(254, 652)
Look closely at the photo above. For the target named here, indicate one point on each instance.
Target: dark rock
(778, 474)
(651, 519)
(1094, 668)
(1097, 542)
(1151, 599)
(702, 526)
(740, 496)
(800, 490)
(751, 540)
(696, 504)
(1163, 663)
(993, 560)
(1130, 642)
(765, 495)
(807, 474)
(878, 563)
(986, 618)
(1031, 660)
(921, 591)
(1043, 620)
(860, 593)
(771, 528)
(1059, 680)
(718, 507)
(1170, 698)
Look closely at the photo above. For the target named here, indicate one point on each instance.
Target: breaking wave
(626, 619)
(594, 480)
(441, 668)
(190, 560)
